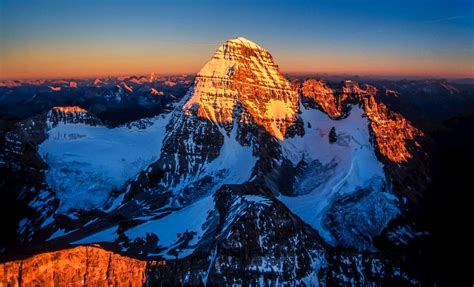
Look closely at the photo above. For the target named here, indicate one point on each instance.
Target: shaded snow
(234, 164)
(107, 235)
(335, 169)
(47, 222)
(238, 160)
(190, 218)
(60, 232)
(87, 162)
(258, 199)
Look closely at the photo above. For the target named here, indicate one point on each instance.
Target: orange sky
(57, 39)
(104, 61)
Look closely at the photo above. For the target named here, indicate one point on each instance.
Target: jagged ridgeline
(250, 179)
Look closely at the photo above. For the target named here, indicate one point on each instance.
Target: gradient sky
(87, 38)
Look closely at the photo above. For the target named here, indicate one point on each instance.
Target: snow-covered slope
(87, 162)
(170, 229)
(233, 165)
(329, 171)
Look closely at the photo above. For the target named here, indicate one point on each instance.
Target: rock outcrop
(324, 96)
(79, 266)
(70, 115)
(393, 133)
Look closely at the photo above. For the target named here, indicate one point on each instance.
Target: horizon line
(290, 73)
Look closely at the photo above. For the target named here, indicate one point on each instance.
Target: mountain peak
(245, 42)
(242, 72)
(244, 61)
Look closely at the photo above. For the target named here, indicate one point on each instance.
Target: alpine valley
(238, 176)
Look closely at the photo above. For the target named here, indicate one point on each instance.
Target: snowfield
(169, 229)
(191, 218)
(334, 169)
(87, 162)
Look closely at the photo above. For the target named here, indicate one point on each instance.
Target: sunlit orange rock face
(391, 130)
(243, 73)
(70, 114)
(70, 109)
(79, 266)
(324, 96)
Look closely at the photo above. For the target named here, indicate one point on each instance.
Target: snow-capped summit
(239, 51)
(243, 73)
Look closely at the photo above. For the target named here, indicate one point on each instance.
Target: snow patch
(190, 218)
(107, 235)
(258, 199)
(279, 110)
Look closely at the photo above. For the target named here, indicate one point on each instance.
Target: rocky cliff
(393, 133)
(79, 266)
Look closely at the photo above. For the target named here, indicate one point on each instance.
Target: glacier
(86, 163)
(346, 166)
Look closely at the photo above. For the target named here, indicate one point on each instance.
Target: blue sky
(73, 38)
